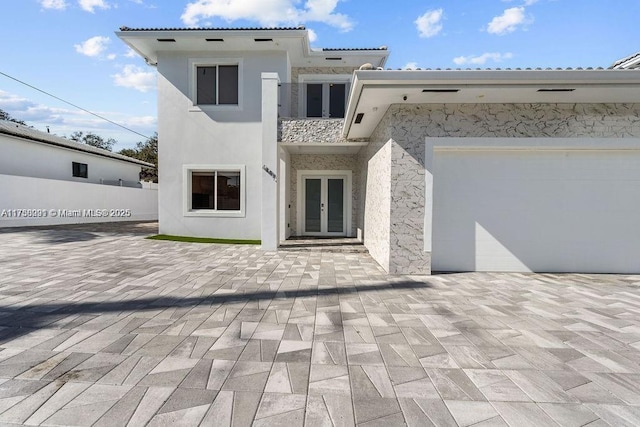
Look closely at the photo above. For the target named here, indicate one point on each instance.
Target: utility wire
(74, 105)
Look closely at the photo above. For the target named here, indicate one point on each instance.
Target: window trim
(186, 192)
(194, 63)
(73, 167)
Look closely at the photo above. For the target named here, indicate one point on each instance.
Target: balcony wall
(310, 131)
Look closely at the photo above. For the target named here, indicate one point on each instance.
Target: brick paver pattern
(100, 326)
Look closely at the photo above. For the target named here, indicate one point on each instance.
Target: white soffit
(149, 43)
(374, 91)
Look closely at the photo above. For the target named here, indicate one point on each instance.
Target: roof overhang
(148, 43)
(28, 134)
(374, 91)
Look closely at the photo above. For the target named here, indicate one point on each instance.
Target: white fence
(26, 201)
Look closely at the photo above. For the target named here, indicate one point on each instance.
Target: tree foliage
(94, 140)
(147, 151)
(6, 116)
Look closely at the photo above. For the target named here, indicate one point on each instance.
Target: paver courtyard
(103, 327)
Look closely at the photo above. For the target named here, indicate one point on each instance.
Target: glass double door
(326, 100)
(324, 206)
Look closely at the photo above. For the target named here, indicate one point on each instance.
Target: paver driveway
(107, 328)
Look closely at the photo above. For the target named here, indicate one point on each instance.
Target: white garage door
(542, 209)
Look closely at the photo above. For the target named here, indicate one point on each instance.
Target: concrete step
(306, 244)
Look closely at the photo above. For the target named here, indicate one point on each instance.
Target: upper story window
(80, 170)
(216, 83)
(324, 95)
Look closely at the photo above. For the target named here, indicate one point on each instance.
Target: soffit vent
(440, 90)
(556, 90)
(214, 40)
(167, 40)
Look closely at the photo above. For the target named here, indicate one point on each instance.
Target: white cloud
(136, 78)
(130, 53)
(429, 24)
(507, 22)
(482, 59)
(91, 5)
(64, 121)
(267, 12)
(54, 4)
(93, 47)
(410, 66)
(312, 35)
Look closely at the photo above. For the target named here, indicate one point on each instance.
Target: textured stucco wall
(324, 162)
(406, 127)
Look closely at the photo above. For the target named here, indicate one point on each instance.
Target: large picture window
(214, 190)
(216, 84)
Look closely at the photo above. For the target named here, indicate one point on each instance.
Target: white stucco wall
(28, 158)
(188, 135)
(53, 202)
(405, 128)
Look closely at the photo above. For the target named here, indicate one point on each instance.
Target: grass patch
(203, 240)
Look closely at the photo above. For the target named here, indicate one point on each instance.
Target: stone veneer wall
(323, 162)
(374, 210)
(311, 131)
(404, 129)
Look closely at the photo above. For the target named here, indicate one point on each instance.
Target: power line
(74, 105)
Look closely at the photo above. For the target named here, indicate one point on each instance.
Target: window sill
(203, 213)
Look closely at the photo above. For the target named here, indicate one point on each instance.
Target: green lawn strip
(203, 240)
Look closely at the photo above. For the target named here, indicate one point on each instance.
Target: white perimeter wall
(19, 192)
(39, 160)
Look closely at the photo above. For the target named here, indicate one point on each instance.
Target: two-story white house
(263, 137)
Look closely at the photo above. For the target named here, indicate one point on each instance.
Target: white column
(270, 193)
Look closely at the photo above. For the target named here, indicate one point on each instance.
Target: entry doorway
(324, 205)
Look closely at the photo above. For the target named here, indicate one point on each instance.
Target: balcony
(294, 127)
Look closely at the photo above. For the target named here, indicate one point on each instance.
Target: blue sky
(68, 47)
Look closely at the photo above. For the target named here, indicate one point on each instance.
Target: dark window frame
(223, 81)
(79, 170)
(220, 198)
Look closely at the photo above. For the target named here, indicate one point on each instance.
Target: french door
(326, 100)
(324, 207)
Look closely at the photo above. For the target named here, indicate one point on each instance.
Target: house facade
(262, 137)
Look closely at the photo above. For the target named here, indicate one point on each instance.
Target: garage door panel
(536, 211)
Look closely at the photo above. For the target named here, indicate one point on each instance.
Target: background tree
(6, 116)
(147, 151)
(94, 140)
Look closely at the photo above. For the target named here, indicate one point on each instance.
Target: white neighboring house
(263, 137)
(48, 180)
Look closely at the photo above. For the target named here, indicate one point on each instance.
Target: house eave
(374, 91)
